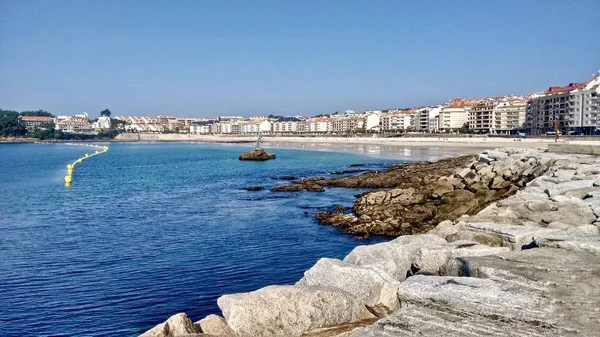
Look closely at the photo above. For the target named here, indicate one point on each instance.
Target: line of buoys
(70, 167)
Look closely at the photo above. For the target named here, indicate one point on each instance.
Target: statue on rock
(258, 154)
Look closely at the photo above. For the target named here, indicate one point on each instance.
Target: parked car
(552, 133)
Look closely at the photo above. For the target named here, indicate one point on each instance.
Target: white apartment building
(74, 125)
(265, 126)
(583, 107)
(399, 120)
(454, 116)
(373, 122)
(553, 108)
(434, 115)
(481, 116)
(228, 128)
(320, 125)
(342, 124)
(103, 122)
(201, 128)
(283, 127)
(250, 127)
(508, 116)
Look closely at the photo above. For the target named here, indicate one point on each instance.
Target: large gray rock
(394, 257)
(582, 192)
(496, 155)
(535, 292)
(372, 287)
(445, 228)
(287, 310)
(483, 158)
(456, 306)
(514, 237)
(584, 239)
(176, 326)
(486, 239)
(430, 259)
(215, 325)
(562, 188)
(594, 203)
(532, 207)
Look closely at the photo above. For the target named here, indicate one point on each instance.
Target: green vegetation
(39, 113)
(10, 124)
(114, 123)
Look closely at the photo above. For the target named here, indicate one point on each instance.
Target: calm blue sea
(148, 230)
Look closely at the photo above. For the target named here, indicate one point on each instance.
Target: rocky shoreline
(523, 258)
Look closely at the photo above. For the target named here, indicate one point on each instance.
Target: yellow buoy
(67, 179)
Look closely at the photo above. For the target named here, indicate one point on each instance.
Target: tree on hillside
(40, 113)
(115, 123)
(105, 112)
(10, 124)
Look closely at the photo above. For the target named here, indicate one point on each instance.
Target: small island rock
(257, 154)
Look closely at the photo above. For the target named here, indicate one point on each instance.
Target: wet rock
(336, 219)
(257, 154)
(254, 188)
(288, 310)
(299, 186)
(401, 175)
(347, 171)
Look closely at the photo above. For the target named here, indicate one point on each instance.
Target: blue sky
(288, 57)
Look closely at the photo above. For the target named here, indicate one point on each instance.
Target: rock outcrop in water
(257, 154)
(525, 265)
(425, 194)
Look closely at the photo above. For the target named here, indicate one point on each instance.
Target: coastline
(550, 222)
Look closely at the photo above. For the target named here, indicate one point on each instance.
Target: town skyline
(196, 58)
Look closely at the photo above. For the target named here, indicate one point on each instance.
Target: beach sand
(408, 148)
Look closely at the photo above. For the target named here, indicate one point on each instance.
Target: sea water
(151, 229)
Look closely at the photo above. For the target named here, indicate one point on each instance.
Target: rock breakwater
(527, 265)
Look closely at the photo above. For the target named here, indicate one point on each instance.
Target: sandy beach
(421, 148)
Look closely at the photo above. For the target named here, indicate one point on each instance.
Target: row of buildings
(572, 108)
(69, 124)
(499, 115)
